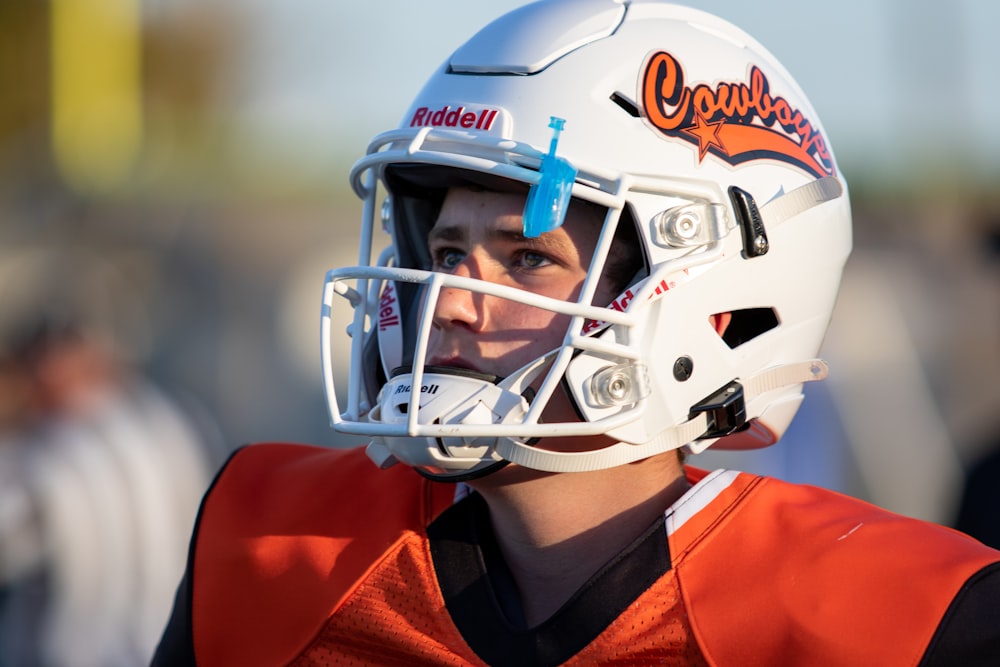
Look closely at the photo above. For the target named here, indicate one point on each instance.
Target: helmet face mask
(719, 173)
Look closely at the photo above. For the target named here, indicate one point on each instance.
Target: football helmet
(682, 128)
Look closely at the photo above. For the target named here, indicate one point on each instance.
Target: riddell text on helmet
(388, 308)
(447, 116)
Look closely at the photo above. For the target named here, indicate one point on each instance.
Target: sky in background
(893, 80)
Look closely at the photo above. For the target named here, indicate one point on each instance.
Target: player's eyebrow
(457, 233)
(547, 242)
(446, 233)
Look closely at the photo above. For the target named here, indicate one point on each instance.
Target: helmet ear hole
(747, 324)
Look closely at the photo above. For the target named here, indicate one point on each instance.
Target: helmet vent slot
(747, 324)
(626, 104)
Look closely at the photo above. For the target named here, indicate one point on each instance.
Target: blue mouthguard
(548, 199)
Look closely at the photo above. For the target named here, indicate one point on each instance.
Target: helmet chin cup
(445, 398)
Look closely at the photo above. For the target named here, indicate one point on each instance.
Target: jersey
(311, 556)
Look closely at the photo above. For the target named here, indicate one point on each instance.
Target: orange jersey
(310, 556)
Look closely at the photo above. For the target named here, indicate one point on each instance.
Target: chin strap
(716, 416)
(801, 199)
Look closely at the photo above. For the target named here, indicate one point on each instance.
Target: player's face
(479, 234)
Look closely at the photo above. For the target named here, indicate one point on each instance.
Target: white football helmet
(681, 126)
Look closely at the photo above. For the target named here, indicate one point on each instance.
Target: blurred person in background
(100, 472)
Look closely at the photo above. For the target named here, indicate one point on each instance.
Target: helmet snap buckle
(755, 241)
(726, 410)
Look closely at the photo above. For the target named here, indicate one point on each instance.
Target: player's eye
(533, 260)
(447, 259)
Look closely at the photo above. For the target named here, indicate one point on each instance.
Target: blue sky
(891, 79)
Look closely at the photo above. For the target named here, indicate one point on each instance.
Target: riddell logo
(388, 309)
(446, 116)
(736, 122)
(621, 304)
(424, 389)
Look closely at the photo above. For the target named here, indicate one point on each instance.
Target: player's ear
(720, 322)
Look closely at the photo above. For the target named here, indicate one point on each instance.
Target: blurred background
(173, 188)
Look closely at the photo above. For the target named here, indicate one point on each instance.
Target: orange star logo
(707, 135)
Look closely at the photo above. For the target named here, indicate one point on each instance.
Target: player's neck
(556, 531)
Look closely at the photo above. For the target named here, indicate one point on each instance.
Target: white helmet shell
(679, 124)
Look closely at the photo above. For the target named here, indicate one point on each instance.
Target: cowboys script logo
(736, 122)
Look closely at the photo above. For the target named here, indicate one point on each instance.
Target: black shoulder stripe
(969, 632)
